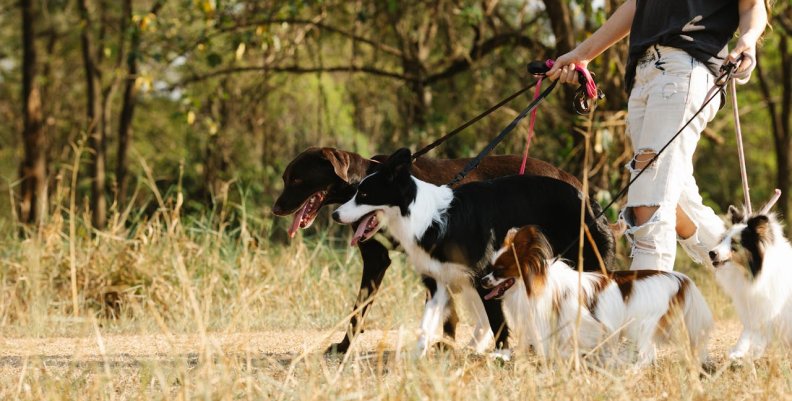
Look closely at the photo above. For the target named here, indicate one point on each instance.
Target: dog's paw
(480, 344)
(737, 355)
(501, 355)
(422, 348)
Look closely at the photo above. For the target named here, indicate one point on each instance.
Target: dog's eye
(363, 195)
(296, 181)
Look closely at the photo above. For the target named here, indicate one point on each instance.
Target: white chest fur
(428, 208)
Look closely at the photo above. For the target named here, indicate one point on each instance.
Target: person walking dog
(676, 50)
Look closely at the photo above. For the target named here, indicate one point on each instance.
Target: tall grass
(169, 307)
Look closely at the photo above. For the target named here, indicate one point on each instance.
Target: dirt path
(276, 344)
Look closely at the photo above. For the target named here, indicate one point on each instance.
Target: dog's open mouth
(368, 225)
(305, 215)
(719, 263)
(500, 289)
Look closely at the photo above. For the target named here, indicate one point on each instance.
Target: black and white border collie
(543, 298)
(450, 234)
(753, 264)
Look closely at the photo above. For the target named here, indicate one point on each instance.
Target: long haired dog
(752, 264)
(450, 234)
(542, 301)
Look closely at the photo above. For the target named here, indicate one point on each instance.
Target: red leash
(591, 92)
(531, 123)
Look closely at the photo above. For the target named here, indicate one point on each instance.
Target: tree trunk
(127, 108)
(96, 139)
(561, 24)
(33, 169)
(780, 121)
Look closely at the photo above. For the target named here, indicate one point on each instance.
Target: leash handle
(586, 93)
(773, 199)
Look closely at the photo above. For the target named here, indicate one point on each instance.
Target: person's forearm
(612, 31)
(753, 19)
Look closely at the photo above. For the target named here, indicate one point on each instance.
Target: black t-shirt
(702, 28)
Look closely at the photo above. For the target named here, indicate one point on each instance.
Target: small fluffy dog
(752, 264)
(542, 303)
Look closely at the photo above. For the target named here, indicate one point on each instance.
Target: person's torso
(702, 28)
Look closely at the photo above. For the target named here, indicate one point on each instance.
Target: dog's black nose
(336, 217)
(713, 255)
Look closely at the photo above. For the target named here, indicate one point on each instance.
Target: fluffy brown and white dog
(753, 265)
(541, 302)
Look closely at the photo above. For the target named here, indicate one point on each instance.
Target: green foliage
(231, 90)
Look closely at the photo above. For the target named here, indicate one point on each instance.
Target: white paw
(422, 347)
(736, 354)
(503, 355)
(481, 343)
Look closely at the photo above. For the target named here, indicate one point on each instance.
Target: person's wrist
(749, 38)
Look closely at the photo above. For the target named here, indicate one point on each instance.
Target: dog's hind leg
(435, 312)
(375, 264)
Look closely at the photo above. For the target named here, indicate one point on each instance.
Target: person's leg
(701, 229)
(674, 89)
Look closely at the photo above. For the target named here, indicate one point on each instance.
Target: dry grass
(206, 309)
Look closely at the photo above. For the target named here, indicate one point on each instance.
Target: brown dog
(324, 176)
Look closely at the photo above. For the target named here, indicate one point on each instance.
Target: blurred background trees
(214, 97)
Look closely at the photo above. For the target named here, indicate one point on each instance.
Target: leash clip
(582, 102)
(727, 71)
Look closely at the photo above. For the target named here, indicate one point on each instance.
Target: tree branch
(291, 70)
(478, 52)
(271, 21)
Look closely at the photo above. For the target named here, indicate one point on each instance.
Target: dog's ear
(400, 162)
(340, 161)
(761, 226)
(735, 215)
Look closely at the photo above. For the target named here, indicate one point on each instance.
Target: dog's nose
(713, 255)
(336, 217)
(277, 210)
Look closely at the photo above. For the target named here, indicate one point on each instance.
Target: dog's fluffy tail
(698, 320)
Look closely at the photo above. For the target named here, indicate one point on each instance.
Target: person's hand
(745, 48)
(564, 67)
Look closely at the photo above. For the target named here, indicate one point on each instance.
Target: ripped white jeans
(670, 87)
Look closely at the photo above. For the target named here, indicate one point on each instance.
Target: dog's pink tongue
(298, 216)
(360, 233)
(492, 294)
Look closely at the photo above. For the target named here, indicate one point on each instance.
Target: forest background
(215, 97)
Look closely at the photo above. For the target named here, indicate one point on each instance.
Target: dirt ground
(132, 349)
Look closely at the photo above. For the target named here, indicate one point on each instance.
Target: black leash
(581, 103)
(720, 83)
(470, 122)
(476, 160)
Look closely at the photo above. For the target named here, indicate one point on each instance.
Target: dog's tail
(698, 318)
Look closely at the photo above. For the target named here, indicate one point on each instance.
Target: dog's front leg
(497, 321)
(375, 264)
(435, 312)
(743, 345)
(482, 334)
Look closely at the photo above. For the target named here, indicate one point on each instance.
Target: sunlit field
(165, 308)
